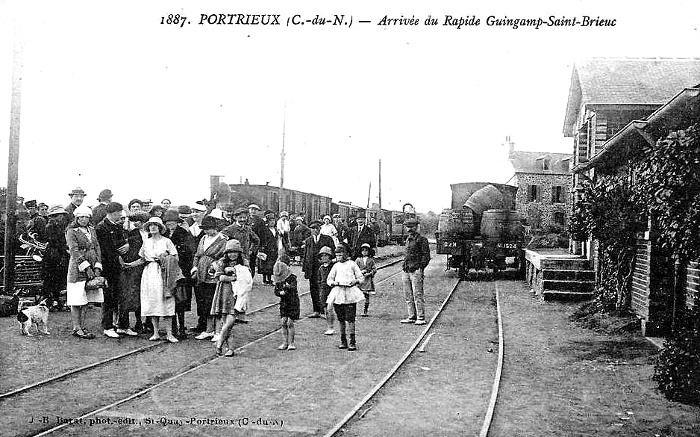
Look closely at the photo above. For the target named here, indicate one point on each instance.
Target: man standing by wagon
(414, 264)
(312, 247)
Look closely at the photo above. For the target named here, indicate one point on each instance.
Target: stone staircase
(559, 277)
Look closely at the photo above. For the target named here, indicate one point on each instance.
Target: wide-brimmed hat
(253, 206)
(105, 194)
(233, 245)
(208, 222)
(284, 214)
(56, 209)
(82, 211)
(77, 191)
(30, 204)
(171, 215)
(327, 250)
(184, 210)
(280, 271)
(155, 221)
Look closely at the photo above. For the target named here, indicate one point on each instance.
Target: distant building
(544, 184)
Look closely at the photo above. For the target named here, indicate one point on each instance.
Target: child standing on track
(368, 268)
(344, 277)
(286, 289)
(326, 256)
(231, 294)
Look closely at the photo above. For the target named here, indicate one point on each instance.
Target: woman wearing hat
(327, 228)
(55, 260)
(159, 278)
(211, 247)
(85, 263)
(234, 283)
(133, 270)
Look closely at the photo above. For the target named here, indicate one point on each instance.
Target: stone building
(543, 180)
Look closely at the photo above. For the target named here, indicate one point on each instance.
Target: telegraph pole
(281, 193)
(13, 169)
(380, 184)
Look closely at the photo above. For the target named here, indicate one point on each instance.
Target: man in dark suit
(312, 246)
(113, 244)
(257, 224)
(361, 234)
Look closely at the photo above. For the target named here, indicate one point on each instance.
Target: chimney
(511, 145)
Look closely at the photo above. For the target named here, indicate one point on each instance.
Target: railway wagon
(312, 206)
(484, 231)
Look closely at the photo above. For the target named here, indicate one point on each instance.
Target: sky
(111, 98)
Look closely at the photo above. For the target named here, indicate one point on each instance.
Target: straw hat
(156, 221)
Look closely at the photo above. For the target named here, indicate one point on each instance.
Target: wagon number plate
(508, 245)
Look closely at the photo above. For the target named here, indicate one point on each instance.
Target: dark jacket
(311, 249)
(417, 253)
(250, 242)
(358, 238)
(300, 233)
(98, 213)
(185, 244)
(111, 237)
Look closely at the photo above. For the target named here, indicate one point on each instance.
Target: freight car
(483, 231)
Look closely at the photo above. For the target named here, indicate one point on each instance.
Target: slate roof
(531, 162)
(627, 81)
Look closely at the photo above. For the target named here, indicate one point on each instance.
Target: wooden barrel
(502, 225)
(456, 223)
(485, 198)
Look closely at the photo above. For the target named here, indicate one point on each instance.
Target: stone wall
(543, 206)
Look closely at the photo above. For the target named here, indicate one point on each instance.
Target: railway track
(155, 381)
(345, 425)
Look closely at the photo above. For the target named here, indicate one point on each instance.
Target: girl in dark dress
(286, 289)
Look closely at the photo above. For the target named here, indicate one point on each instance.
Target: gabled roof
(532, 162)
(627, 81)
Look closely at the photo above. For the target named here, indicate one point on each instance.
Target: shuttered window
(557, 194)
(533, 193)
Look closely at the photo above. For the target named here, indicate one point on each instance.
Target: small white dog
(35, 315)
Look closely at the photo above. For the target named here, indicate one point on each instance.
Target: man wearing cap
(361, 234)
(241, 231)
(37, 223)
(113, 244)
(100, 211)
(76, 199)
(416, 260)
(258, 226)
(312, 247)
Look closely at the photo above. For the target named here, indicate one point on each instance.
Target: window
(533, 192)
(559, 218)
(545, 164)
(558, 194)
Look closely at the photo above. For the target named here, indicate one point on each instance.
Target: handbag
(96, 283)
(181, 293)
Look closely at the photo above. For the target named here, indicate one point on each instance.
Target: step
(584, 275)
(562, 295)
(567, 285)
(565, 264)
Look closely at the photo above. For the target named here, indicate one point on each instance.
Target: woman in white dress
(156, 300)
(327, 228)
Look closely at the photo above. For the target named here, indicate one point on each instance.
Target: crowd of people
(151, 264)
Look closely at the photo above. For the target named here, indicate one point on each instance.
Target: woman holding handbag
(85, 265)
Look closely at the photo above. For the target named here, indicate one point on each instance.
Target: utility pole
(13, 169)
(369, 192)
(281, 193)
(380, 184)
